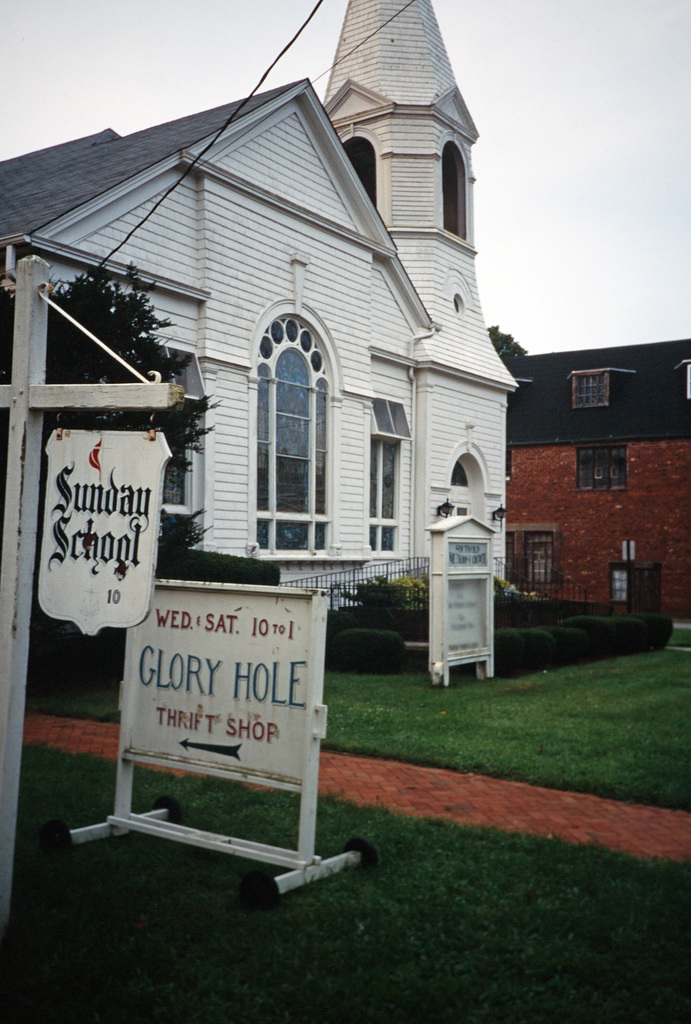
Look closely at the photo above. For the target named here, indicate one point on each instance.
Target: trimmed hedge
(631, 635)
(214, 567)
(508, 651)
(367, 650)
(337, 622)
(539, 647)
(600, 630)
(571, 644)
(659, 626)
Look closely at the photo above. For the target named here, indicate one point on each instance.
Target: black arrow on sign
(216, 748)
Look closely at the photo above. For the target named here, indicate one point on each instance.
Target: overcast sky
(582, 207)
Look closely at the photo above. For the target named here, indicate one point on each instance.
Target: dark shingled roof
(40, 187)
(649, 403)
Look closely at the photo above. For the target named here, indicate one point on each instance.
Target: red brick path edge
(465, 799)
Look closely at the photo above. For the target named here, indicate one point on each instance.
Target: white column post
(19, 549)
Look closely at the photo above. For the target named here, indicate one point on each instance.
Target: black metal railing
(540, 579)
(379, 596)
(341, 585)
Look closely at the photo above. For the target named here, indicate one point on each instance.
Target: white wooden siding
(283, 160)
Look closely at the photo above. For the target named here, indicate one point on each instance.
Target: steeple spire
(394, 102)
(405, 61)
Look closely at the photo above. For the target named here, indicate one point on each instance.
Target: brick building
(599, 453)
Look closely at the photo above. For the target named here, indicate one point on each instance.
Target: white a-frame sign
(26, 399)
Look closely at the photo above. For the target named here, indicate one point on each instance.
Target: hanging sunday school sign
(100, 527)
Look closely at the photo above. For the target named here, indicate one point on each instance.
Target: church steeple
(406, 61)
(394, 102)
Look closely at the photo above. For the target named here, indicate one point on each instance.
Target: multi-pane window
(589, 389)
(292, 403)
(538, 550)
(177, 482)
(618, 584)
(389, 426)
(601, 469)
(382, 500)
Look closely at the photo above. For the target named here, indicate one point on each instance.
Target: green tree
(123, 317)
(505, 344)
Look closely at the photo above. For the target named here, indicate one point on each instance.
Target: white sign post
(461, 597)
(100, 528)
(227, 680)
(26, 398)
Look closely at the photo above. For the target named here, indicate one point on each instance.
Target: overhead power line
(239, 109)
(365, 40)
(217, 136)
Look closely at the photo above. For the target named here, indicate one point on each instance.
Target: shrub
(337, 622)
(508, 651)
(631, 635)
(214, 567)
(571, 644)
(659, 628)
(539, 647)
(402, 592)
(368, 650)
(600, 631)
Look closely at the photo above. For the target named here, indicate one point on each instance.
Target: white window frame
(272, 516)
(377, 522)
(191, 378)
(389, 427)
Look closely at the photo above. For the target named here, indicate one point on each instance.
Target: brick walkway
(436, 793)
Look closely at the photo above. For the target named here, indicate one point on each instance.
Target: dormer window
(686, 364)
(589, 388)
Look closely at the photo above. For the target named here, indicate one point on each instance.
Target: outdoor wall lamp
(499, 514)
(445, 510)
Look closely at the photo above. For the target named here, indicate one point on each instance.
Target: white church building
(319, 263)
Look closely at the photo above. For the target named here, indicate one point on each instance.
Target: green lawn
(681, 638)
(455, 924)
(618, 727)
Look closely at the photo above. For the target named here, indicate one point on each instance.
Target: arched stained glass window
(459, 477)
(292, 434)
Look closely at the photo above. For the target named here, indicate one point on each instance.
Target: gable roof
(648, 401)
(39, 187)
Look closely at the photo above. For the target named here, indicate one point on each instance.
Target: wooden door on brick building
(646, 585)
(538, 557)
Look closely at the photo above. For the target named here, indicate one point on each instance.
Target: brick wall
(654, 511)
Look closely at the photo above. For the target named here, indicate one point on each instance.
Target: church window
(389, 418)
(389, 428)
(292, 431)
(459, 477)
(363, 158)
(178, 480)
(383, 498)
(453, 190)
